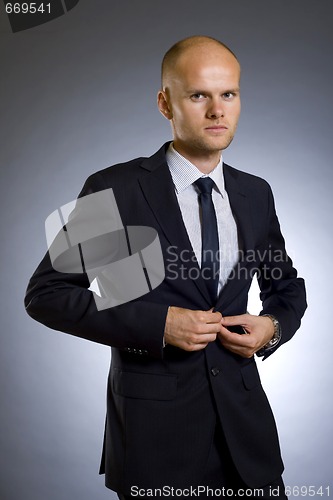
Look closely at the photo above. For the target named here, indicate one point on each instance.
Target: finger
(240, 319)
(233, 338)
(203, 338)
(206, 322)
(245, 352)
(197, 342)
(194, 347)
(208, 328)
(244, 345)
(215, 317)
(210, 317)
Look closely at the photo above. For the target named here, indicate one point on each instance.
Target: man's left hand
(258, 331)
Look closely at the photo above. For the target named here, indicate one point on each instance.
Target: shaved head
(197, 44)
(200, 96)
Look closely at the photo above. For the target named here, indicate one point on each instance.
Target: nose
(215, 109)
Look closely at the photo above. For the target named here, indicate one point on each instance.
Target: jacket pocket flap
(250, 376)
(161, 387)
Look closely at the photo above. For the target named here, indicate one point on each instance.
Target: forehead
(206, 67)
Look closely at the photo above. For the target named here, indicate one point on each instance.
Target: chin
(218, 145)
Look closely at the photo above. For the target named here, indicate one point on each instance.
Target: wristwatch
(276, 336)
(277, 332)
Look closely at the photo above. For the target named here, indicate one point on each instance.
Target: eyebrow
(198, 91)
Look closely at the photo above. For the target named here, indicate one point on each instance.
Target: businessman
(185, 405)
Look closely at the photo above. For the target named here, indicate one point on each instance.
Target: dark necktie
(210, 265)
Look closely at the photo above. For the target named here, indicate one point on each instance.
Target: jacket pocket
(161, 387)
(250, 375)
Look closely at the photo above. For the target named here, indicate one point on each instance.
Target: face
(202, 101)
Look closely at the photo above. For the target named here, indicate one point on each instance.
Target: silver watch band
(276, 336)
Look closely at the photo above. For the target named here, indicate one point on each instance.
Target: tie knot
(205, 185)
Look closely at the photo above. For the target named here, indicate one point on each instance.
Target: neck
(205, 161)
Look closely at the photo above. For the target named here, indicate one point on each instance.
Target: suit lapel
(240, 207)
(159, 191)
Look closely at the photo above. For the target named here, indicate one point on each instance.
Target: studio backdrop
(78, 93)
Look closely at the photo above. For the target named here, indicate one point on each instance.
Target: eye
(198, 97)
(228, 95)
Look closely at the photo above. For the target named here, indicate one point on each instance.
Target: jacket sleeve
(63, 301)
(282, 291)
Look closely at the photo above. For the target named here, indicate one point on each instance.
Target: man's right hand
(191, 330)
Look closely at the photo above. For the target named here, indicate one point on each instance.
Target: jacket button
(215, 371)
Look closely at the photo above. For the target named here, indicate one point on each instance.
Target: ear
(163, 105)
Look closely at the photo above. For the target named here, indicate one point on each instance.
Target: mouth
(216, 128)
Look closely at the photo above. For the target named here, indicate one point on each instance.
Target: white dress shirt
(184, 174)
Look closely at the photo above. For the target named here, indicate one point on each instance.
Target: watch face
(273, 342)
(277, 333)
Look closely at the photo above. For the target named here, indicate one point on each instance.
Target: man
(185, 405)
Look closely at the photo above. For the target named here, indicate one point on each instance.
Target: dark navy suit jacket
(162, 403)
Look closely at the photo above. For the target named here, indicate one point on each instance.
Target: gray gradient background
(78, 94)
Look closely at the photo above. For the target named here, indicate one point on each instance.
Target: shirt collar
(184, 173)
